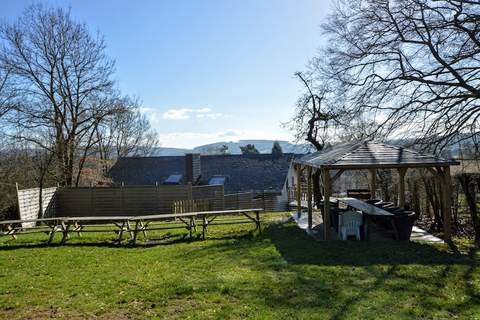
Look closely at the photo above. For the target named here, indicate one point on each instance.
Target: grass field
(237, 274)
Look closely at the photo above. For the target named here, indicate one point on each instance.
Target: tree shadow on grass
(296, 247)
(340, 278)
(148, 242)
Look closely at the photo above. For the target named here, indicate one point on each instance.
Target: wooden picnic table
(189, 219)
(368, 210)
(65, 225)
(12, 229)
(77, 224)
(123, 224)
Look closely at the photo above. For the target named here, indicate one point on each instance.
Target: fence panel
(270, 200)
(137, 200)
(29, 204)
(132, 200)
(215, 193)
(238, 201)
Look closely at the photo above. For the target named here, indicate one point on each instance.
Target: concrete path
(418, 235)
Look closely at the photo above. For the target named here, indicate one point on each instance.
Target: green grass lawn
(237, 274)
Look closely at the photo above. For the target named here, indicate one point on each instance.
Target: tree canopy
(277, 149)
(249, 149)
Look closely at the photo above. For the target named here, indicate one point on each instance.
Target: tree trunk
(317, 193)
(469, 187)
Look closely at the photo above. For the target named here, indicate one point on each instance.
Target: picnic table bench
(132, 225)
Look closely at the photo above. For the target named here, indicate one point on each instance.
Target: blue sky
(206, 70)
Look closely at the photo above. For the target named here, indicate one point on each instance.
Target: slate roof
(255, 172)
(371, 155)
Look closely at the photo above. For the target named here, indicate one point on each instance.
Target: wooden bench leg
(190, 226)
(120, 233)
(66, 228)
(78, 228)
(257, 221)
(11, 231)
(135, 233)
(52, 234)
(129, 227)
(204, 227)
(142, 225)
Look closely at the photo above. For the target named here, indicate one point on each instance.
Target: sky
(205, 70)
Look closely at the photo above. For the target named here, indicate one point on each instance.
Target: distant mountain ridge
(263, 146)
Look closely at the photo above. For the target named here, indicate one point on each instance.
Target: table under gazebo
(332, 162)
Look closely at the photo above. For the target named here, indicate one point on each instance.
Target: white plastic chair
(349, 223)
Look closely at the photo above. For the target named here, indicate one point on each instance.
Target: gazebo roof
(371, 155)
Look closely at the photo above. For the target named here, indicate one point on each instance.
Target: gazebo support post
(446, 188)
(298, 171)
(309, 197)
(326, 202)
(401, 187)
(373, 182)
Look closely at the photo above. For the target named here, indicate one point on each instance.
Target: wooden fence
(131, 200)
(138, 200)
(268, 200)
(29, 204)
(292, 192)
(238, 201)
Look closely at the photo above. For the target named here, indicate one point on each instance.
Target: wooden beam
(401, 189)
(337, 175)
(373, 182)
(326, 202)
(309, 197)
(299, 188)
(433, 172)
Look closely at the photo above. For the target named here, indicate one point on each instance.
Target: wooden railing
(292, 193)
(185, 206)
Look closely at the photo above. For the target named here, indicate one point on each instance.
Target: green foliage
(223, 149)
(249, 149)
(237, 274)
(277, 149)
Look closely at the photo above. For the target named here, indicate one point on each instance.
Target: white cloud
(188, 113)
(194, 139)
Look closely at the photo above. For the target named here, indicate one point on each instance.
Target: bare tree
(6, 94)
(125, 133)
(320, 118)
(311, 122)
(411, 65)
(62, 83)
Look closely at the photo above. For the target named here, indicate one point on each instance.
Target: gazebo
(335, 160)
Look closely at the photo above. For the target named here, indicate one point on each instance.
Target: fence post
(251, 200)
(263, 200)
(18, 200)
(122, 199)
(92, 200)
(189, 191)
(157, 197)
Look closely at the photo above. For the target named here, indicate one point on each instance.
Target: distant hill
(160, 151)
(263, 146)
